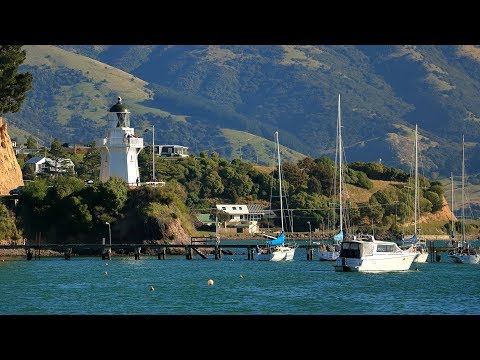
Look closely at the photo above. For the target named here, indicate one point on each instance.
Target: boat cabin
(366, 245)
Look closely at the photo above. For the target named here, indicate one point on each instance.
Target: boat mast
(453, 231)
(463, 190)
(279, 178)
(340, 152)
(416, 182)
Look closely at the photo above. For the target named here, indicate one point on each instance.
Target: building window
(239, 208)
(234, 208)
(224, 208)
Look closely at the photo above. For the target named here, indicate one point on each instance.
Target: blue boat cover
(339, 236)
(411, 240)
(278, 241)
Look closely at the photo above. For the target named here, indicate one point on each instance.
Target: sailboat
(332, 251)
(464, 254)
(415, 243)
(453, 215)
(277, 249)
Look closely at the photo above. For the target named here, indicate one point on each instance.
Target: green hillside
(294, 88)
(194, 93)
(86, 88)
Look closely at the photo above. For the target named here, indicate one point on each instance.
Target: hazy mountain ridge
(191, 93)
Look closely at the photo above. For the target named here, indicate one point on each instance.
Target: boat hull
(328, 255)
(465, 258)
(421, 251)
(281, 253)
(394, 262)
(422, 257)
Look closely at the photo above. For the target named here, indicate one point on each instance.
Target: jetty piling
(310, 251)
(188, 252)
(106, 253)
(137, 252)
(250, 252)
(161, 253)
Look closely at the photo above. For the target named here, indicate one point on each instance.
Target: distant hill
(227, 98)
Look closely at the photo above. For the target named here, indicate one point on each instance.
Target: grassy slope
(90, 97)
(472, 193)
(55, 57)
(263, 147)
(430, 223)
(360, 195)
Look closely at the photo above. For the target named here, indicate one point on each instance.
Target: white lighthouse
(120, 148)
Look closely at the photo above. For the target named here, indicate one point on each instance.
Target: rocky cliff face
(10, 172)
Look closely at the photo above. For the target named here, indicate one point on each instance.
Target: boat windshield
(350, 249)
(388, 248)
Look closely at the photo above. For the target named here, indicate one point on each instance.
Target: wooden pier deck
(201, 249)
(199, 246)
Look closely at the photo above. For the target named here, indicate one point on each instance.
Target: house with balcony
(243, 218)
(41, 164)
(171, 151)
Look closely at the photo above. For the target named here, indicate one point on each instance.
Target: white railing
(137, 142)
(133, 142)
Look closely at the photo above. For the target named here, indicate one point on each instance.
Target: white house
(176, 151)
(41, 164)
(243, 217)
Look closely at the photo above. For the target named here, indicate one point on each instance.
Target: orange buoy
(210, 282)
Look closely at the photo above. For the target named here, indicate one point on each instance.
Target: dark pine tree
(13, 85)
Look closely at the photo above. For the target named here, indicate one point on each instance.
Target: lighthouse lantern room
(120, 148)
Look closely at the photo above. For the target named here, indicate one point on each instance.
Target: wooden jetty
(200, 246)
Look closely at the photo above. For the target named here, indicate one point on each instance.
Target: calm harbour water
(123, 286)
